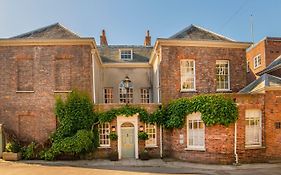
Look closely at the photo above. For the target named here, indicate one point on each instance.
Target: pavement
(132, 166)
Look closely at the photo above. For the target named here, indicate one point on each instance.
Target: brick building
(38, 65)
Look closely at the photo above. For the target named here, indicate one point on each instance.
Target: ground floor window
(150, 129)
(104, 131)
(253, 128)
(195, 132)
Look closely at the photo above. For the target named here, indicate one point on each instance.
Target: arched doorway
(127, 140)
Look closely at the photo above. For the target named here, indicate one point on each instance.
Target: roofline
(126, 65)
(268, 70)
(50, 42)
(263, 39)
(41, 28)
(186, 28)
(196, 43)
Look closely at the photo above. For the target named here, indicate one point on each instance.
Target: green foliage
(124, 110)
(74, 114)
(28, 152)
(143, 136)
(13, 147)
(81, 142)
(214, 109)
(113, 136)
(73, 135)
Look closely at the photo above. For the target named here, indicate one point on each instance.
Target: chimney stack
(147, 40)
(103, 41)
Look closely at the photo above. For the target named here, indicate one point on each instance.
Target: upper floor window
(187, 68)
(222, 75)
(108, 95)
(253, 128)
(257, 61)
(150, 129)
(145, 95)
(195, 131)
(126, 92)
(126, 54)
(104, 131)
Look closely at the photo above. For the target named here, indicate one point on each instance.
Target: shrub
(29, 152)
(113, 136)
(81, 142)
(144, 155)
(113, 156)
(13, 147)
(143, 136)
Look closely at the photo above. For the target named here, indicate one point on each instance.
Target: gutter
(235, 144)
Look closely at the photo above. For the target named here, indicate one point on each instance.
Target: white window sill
(62, 91)
(254, 147)
(189, 90)
(194, 149)
(257, 67)
(24, 91)
(151, 146)
(104, 147)
(223, 90)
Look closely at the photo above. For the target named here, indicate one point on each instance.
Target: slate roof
(194, 32)
(274, 65)
(54, 31)
(111, 53)
(263, 81)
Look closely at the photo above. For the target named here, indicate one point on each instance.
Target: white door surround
(131, 119)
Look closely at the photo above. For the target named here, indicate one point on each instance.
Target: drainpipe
(161, 142)
(93, 69)
(235, 144)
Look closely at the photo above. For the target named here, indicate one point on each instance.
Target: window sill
(254, 147)
(104, 147)
(194, 149)
(223, 90)
(151, 146)
(62, 91)
(24, 91)
(188, 91)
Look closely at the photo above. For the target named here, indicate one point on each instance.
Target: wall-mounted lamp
(113, 129)
(141, 128)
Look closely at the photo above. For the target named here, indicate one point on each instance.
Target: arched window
(126, 91)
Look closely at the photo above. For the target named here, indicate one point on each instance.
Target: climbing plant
(214, 109)
(74, 133)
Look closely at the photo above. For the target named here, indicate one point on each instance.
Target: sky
(126, 21)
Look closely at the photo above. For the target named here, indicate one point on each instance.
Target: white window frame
(251, 115)
(257, 61)
(194, 117)
(126, 95)
(186, 75)
(148, 128)
(145, 95)
(228, 74)
(124, 50)
(105, 131)
(106, 95)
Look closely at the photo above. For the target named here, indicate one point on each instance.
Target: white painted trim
(93, 74)
(134, 120)
(25, 91)
(247, 145)
(133, 65)
(228, 74)
(254, 61)
(194, 116)
(151, 145)
(120, 50)
(194, 76)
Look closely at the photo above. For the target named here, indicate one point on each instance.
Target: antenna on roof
(252, 27)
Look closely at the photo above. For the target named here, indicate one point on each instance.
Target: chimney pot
(147, 40)
(103, 40)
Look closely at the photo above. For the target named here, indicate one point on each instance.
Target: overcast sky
(126, 21)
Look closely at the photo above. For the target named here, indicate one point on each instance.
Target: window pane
(187, 74)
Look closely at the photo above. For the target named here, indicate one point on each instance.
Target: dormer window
(126, 54)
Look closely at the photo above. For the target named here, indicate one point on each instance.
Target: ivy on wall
(214, 109)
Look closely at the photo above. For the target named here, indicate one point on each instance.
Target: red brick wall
(30, 115)
(205, 67)
(272, 50)
(258, 49)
